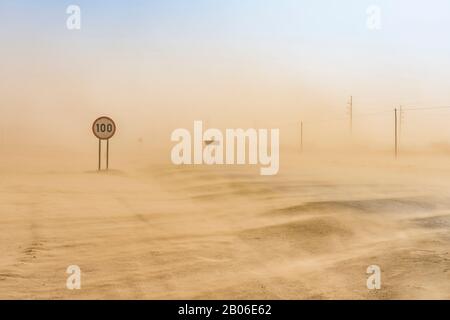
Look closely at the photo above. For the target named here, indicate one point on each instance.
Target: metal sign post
(103, 128)
(99, 154)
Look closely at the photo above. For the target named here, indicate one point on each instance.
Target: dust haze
(148, 229)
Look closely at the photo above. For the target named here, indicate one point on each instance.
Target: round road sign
(104, 128)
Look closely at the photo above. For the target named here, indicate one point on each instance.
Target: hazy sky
(157, 65)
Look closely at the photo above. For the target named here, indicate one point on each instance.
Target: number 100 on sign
(104, 128)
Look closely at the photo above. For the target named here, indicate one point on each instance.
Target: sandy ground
(162, 231)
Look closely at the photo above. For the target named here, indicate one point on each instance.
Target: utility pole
(396, 134)
(350, 111)
(301, 136)
(400, 125)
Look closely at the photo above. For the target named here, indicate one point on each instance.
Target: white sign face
(104, 128)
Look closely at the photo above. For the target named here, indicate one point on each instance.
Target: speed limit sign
(104, 128)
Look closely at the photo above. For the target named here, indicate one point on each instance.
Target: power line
(373, 113)
(413, 108)
(401, 114)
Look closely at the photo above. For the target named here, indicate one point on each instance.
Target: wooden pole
(301, 136)
(400, 125)
(396, 134)
(351, 114)
(99, 154)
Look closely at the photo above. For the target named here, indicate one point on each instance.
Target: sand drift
(168, 232)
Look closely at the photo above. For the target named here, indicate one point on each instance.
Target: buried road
(221, 232)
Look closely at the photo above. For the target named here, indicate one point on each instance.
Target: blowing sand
(162, 231)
